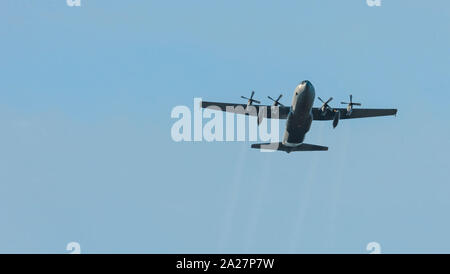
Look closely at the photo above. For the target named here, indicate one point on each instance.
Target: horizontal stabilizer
(280, 146)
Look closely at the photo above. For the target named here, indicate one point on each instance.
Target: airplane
(299, 116)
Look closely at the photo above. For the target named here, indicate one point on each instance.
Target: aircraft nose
(307, 84)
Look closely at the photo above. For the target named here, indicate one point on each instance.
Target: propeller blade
(256, 101)
(243, 97)
(345, 103)
(276, 102)
(329, 100)
(351, 98)
(320, 99)
(356, 104)
(253, 93)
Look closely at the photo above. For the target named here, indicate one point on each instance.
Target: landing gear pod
(337, 116)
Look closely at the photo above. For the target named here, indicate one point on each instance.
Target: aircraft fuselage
(300, 117)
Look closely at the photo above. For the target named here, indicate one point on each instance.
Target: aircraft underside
(299, 116)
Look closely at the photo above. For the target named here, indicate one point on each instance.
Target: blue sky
(86, 153)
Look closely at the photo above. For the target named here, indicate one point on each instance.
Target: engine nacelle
(337, 116)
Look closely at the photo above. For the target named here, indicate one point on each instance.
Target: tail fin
(280, 146)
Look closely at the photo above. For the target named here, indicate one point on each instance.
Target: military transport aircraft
(299, 116)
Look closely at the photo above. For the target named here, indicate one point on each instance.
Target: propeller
(276, 102)
(325, 105)
(251, 100)
(351, 104)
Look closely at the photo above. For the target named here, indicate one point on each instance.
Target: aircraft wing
(356, 113)
(254, 110)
